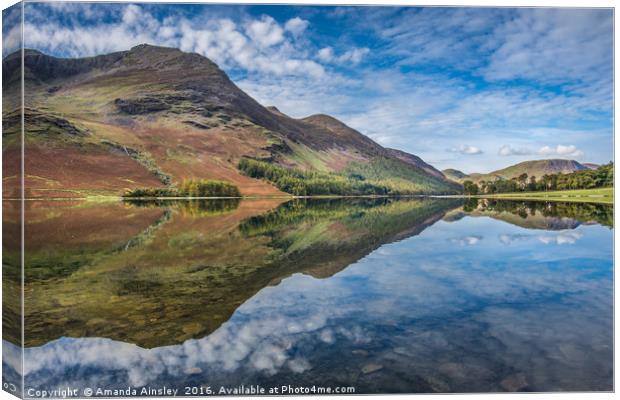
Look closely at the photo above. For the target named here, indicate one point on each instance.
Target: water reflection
(385, 295)
(199, 207)
(181, 270)
(540, 214)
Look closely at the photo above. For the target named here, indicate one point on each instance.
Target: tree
(522, 179)
(546, 182)
(470, 188)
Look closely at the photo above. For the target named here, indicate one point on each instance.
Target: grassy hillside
(454, 174)
(380, 177)
(397, 175)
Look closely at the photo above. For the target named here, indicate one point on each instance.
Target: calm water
(423, 295)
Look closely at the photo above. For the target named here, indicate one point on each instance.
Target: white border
(477, 3)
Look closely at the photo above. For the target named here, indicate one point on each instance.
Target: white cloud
(548, 45)
(11, 29)
(131, 14)
(553, 45)
(300, 96)
(265, 32)
(256, 45)
(465, 149)
(296, 25)
(326, 54)
(507, 150)
(560, 150)
(353, 56)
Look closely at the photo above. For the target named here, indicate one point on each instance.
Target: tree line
(379, 177)
(310, 183)
(583, 179)
(189, 188)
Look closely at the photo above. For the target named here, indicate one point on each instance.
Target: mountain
(454, 174)
(536, 168)
(591, 165)
(155, 116)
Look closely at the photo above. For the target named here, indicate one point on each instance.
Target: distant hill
(454, 174)
(154, 116)
(536, 168)
(591, 165)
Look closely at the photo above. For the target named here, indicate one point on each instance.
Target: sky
(474, 89)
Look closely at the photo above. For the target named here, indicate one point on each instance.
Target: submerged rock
(193, 371)
(370, 368)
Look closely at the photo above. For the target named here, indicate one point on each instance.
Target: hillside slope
(155, 116)
(454, 174)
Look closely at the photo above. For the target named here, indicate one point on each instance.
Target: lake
(378, 295)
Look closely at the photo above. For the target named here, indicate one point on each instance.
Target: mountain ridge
(165, 116)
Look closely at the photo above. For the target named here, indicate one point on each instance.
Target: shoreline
(598, 196)
(567, 199)
(254, 197)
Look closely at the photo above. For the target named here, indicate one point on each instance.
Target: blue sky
(470, 88)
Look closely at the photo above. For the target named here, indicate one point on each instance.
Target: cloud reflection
(467, 240)
(508, 239)
(561, 238)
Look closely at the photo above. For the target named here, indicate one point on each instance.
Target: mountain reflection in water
(411, 295)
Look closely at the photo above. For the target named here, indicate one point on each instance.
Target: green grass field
(604, 195)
